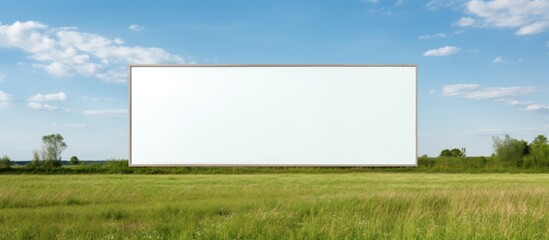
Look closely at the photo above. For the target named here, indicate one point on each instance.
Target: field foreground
(275, 206)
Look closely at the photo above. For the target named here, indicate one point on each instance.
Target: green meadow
(275, 206)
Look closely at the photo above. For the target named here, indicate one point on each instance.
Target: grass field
(275, 206)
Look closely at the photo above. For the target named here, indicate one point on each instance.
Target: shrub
(5, 162)
(74, 160)
(510, 151)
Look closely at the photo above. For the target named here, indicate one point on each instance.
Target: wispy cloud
(107, 112)
(528, 17)
(60, 96)
(384, 12)
(437, 4)
(67, 52)
(5, 99)
(436, 35)
(474, 91)
(499, 59)
(136, 28)
(458, 89)
(512, 102)
(443, 51)
(541, 108)
(499, 94)
(40, 106)
(34, 101)
(95, 99)
(465, 22)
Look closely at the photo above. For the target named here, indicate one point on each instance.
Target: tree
(540, 140)
(52, 147)
(451, 153)
(35, 159)
(539, 151)
(445, 153)
(456, 153)
(510, 150)
(5, 162)
(74, 160)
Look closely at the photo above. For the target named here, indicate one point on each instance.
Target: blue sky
(483, 65)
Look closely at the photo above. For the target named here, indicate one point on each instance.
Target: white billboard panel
(273, 115)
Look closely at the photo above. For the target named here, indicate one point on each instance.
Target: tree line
(509, 153)
(519, 153)
(49, 155)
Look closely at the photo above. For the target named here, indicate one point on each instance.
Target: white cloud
(436, 35)
(400, 2)
(66, 52)
(136, 28)
(513, 102)
(5, 99)
(437, 4)
(499, 59)
(443, 51)
(95, 99)
(372, 1)
(75, 125)
(60, 96)
(40, 106)
(498, 94)
(527, 16)
(458, 89)
(384, 12)
(107, 112)
(537, 108)
(474, 91)
(465, 21)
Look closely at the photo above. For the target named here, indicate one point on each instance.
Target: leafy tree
(510, 150)
(5, 162)
(539, 151)
(540, 140)
(35, 159)
(456, 153)
(52, 147)
(451, 153)
(445, 153)
(74, 160)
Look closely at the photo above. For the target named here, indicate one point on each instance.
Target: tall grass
(275, 206)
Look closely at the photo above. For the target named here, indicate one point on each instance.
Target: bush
(5, 162)
(52, 163)
(510, 151)
(118, 166)
(74, 160)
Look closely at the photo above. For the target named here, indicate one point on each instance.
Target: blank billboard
(273, 115)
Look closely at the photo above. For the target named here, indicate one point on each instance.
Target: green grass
(275, 206)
